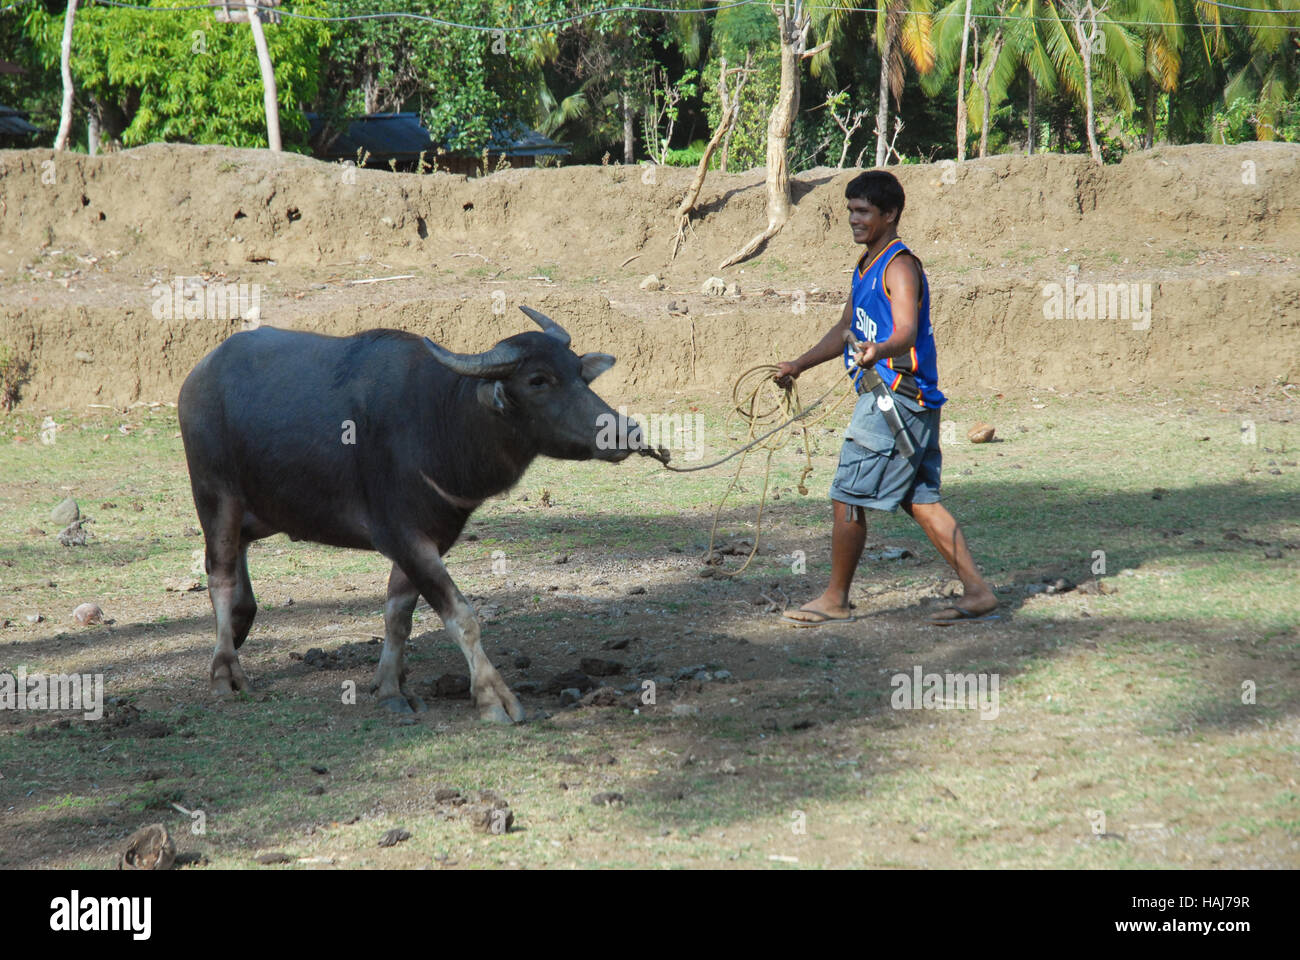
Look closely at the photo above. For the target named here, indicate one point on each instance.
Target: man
(887, 322)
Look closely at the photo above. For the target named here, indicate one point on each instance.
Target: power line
(424, 18)
(629, 8)
(1229, 6)
(1122, 23)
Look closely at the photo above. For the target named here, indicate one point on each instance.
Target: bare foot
(977, 604)
(974, 606)
(819, 611)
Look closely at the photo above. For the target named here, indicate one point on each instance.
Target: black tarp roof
(13, 123)
(401, 137)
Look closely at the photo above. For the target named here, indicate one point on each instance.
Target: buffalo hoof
(224, 688)
(495, 702)
(495, 713)
(400, 704)
(229, 678)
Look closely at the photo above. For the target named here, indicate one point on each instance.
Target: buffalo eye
(539, 380)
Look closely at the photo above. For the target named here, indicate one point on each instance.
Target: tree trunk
(961, 87)
(1149, 140)
(1033, 97)
(370, 91)
(986, 75)
(687, 206)
(629, 138)
(1093, 148)
(65, 63)
(1085, 51)
(882, 105)
(92, 134)
(269, 95)
(779, 124)
(730, 110)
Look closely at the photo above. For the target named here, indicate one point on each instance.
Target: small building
(397, 140)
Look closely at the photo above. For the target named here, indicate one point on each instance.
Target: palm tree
(1091, 43)
(1017, 40)
(1086, 18)
(1029, 45)
(903, 28)
(902, 32)
(1162, 52)
(1271, 72)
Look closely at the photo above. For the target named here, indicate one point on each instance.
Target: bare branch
(816, 50)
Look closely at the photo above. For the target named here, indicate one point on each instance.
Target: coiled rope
(758, 400)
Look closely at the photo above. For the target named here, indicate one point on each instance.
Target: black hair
(879, 188)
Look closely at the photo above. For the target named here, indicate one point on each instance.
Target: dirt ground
(1126, 704)
(1212, 230)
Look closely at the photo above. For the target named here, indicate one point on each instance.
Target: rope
(757, 400)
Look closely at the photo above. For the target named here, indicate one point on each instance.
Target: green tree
(592, 79)
(183, 76)
(1270, 73)
(36, 89)
(1017, 40)
(462, 82)
(738, 31)
(903, 30)
(902, 35)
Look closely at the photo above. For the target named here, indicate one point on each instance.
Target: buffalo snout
(618, 436)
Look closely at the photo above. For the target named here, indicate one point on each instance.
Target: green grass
(1127, 703)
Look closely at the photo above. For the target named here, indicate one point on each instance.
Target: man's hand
(866, 353)
(786, 374)
(828, 348)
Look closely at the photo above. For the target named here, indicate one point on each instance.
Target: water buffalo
(379, 441)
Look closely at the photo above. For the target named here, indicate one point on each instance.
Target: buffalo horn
(547, 324)
(496, 364)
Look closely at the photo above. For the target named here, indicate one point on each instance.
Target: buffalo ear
(594, 364)
(493, 396)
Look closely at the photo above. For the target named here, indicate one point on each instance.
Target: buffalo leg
(230, 591)
(423, 566)
(390, 679)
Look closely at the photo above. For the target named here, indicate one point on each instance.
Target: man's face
(867, 222)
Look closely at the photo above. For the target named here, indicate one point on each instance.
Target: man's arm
(903, 280)
(827, 348)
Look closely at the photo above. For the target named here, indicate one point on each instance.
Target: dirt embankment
(1201, 241)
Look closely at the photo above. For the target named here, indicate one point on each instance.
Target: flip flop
(822, 619)
(961, 616)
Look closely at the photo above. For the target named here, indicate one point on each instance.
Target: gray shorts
(872, 473)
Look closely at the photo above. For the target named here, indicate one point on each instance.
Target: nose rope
(755, 383)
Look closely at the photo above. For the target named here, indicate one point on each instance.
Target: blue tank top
(915, 375)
